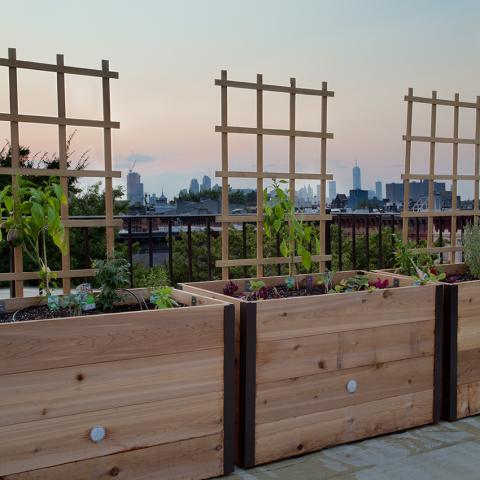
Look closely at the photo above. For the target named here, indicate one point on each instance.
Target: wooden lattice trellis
(226, 219)
(430, 213)
(62, 120)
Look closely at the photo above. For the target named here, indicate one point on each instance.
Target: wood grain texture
(468, 399)
(42, 344)
(297, 357)
(310, 394)
(468, 315)
(28, 396)
(296, 435)
(301, 317)
(185, 460)
(43, 443)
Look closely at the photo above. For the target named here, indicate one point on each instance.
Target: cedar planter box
(159, 382)
(462, 346)
(297, 357)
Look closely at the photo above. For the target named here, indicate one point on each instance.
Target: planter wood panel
(296, 356)
(462, 377)
(160, 382)
(462, 345)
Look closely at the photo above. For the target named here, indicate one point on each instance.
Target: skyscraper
(357, 179)
(206, 184)
(378, 190)
(134, 188)
(194, 187)
(332, 190)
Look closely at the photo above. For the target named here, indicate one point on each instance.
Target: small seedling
(162, 298)
(326, 279)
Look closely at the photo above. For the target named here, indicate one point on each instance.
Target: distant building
(194, 187)
(371, 194)
(332, 190)
(378, 190)
(395, 192)
(357, 197)
(418, 190)
(206, 184)
(357, 179)
(339, 202)
(134, 188)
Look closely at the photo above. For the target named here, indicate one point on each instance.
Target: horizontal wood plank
(185, 460)
(300, 317)
(72, 390)
(468, 399)
(298, 357)
(317, 393)
(44, 443)
(293, 436)
(42, 344)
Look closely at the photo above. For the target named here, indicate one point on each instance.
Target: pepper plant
(32, 217)
(471, 244)
(113, 275)
(280, 218)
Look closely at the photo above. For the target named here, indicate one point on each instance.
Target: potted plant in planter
(137, 382)
(330, 357)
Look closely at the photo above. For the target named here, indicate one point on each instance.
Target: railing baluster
(209, 250)
(340, 249)
(150, 242)
(170, 251)
(130, 253)
(367, 244)
(380, 243)
(244, 246)
(189, 241)
(354, 247)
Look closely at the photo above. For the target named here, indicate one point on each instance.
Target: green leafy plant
(150, 277)
(471, 244)
(356, 283)
(256, 285)
(163, 298)
(407, 257)
(33, 217)
(280, 218)
(326, 279)
(112, 274)
(428, 276)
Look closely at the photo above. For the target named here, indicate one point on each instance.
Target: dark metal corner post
(229, 389)
(247, 389)
(438, 368)
(449, 410)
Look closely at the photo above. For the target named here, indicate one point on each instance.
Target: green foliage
(280, 219)
(112, 274)
(407, 257)
(256, 285)
(471, 243)
(163, 298)
(356, 283)
(149, 277)
(430, 275)
(33, 215)
(326, 279)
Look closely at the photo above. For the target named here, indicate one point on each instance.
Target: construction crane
(133, 165)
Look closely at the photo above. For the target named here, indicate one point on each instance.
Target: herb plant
(163, 298)
(471, 243)
(230, 288)
(112, 274)
(407, 257)
(280, 219)
(33, 217)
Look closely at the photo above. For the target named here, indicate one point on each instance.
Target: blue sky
(168, 54)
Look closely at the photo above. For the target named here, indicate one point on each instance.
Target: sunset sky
(168, 54)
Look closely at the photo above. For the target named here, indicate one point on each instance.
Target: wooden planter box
(297, 356)
(160, 382)
(462, 346)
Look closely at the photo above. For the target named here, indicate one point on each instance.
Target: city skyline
(168, 106)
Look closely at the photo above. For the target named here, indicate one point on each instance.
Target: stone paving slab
(447, 451)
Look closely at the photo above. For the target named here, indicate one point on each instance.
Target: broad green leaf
(284, 250)
(38, 214)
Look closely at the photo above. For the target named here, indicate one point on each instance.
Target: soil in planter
(459, 278)
(282, 291)
(41, 312)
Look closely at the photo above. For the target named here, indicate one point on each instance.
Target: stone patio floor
(447, 451)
